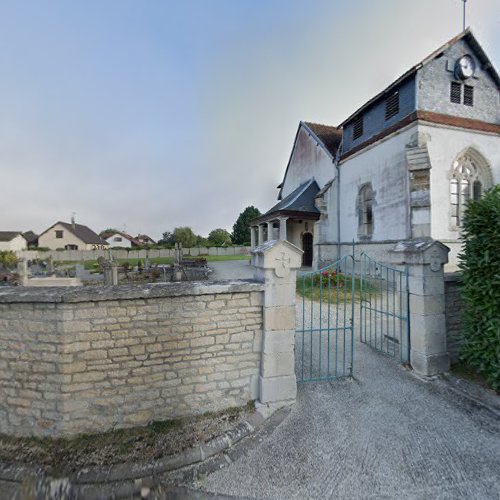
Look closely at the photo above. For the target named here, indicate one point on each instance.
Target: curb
(16, 473)
(474, 392)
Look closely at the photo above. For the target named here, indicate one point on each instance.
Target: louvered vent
(468, 95)
(456, 92)
(392, 105)
(357, 127)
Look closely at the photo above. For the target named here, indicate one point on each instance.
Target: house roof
(297, 203)
(466, 35)
(144, 237)
(9, 235)
(107, 234)
(82, 232)
(328, 136)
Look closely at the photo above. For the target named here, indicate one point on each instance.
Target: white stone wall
(308, 159)
(16, 244)
(385, 166)
(444, 145)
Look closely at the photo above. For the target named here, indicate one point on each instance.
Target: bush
(480, 265)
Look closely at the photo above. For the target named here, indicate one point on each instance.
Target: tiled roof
(8, 235)
(330, 136)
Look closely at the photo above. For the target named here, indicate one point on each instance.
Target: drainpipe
(336, 163)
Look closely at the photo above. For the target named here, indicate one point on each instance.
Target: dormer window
(357, 127)
(392, 105)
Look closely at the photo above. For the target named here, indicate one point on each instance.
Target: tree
(167, 239)
(241, 228)
(185, 236)
(109, 230)
(480, 265)
(7, 259)
(202, 242)
(219, 237)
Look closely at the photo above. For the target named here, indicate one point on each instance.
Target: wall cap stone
(11, 295)
(421, 251)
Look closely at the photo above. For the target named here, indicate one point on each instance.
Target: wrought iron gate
(384, 306)
(324, 339)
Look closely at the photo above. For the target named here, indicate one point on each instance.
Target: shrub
(480, 265)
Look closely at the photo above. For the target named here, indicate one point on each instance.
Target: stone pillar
(283, 227)
(22, 271)
(275, 264)
(252, 237)
(425, 260)
(111, 273)
(270, 231)
(261, 234)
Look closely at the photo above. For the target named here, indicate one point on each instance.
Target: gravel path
(384, 434)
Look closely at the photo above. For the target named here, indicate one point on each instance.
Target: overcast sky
(155, 114)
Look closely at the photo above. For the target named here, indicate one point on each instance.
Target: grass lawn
(333, 290)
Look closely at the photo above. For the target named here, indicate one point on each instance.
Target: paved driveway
(384, 434)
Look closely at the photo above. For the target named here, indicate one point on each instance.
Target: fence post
(276, 263)
(424, 260)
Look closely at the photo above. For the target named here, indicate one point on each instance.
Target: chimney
(73, 221)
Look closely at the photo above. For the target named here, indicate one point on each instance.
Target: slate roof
(9, 235)
(300, 200)
(82, 232)
(330, 136)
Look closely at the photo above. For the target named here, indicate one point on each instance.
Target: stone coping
(64, 294)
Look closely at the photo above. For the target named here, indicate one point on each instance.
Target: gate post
(425, 260)
(276, 263)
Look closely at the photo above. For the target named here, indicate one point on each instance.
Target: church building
(400, 167)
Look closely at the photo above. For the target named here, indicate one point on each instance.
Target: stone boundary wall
(453, 311)
(83, 255)
(84, 360)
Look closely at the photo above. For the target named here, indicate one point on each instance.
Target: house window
(470, 176)
(456, 92)
(59, 234)
(392, 105)
(71, 247)
(357, 127)
(117, 238)
(468, 95)
(365, 211)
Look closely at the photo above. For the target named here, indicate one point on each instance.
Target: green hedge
(480, 265)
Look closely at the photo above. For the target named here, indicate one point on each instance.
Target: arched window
(365, 211)
(470, 177)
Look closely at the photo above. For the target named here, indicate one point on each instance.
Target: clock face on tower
(465, 67)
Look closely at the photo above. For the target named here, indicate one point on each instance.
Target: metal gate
(324, 338)
(384, 306)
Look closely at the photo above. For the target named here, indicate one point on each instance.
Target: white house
(120, 239)
(400, 167)
(12, 240)
(71, 236)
